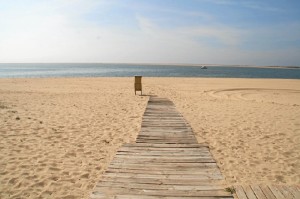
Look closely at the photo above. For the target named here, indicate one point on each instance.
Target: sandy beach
(57, 135)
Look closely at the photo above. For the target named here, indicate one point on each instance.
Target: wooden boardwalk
(165, 162)
(267, 192)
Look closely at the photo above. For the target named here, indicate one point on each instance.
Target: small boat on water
(203, 67)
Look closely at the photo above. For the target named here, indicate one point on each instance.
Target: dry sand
(58, 135)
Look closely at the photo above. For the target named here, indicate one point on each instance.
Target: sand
(58, 135)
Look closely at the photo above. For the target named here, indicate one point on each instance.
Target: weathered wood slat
(178, 166)
(163, 150)
(153, 192)
(240, 192)
(139, 158)
(285, 192)
(258, 192)
(163, 197)
(294, 191)
(170, 151)
(164, 167)
(164, 172)
(171, 155)
(161, 176)
(249, 192)
(165, 141)
(149, 161)
(161, 181)
(276, 192)
(164, 153)
(154, 145)
(161, 186)
(268, 193)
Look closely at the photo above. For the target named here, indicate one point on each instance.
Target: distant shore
(200, 65)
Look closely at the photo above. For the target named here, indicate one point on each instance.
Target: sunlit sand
(58, 135)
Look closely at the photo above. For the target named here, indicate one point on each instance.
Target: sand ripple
(278, 96)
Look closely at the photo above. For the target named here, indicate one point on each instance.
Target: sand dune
(58, 135)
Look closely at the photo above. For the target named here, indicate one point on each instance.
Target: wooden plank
(179, 139)
(169, 154)
(161, 155)
(153, 192)
(294, 191)
(285, 192)
(153, 160)
(165, 166)
(258, 192)
(165, 152)
(240, 192)
(166, 131)
(161, 186)
(249, 192)
(161, 181)
(268, 193)
(167, 136)
(163, 149)
(163, 197)
(163, 158)
(178, 166)
(165, 121)
(171, 177)
(168, 141)
(169, 166)
(198, 145)
(276, 192)
(162, 172)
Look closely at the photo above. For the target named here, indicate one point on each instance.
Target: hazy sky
(258, 32)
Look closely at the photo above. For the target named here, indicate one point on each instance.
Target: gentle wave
(126, 70)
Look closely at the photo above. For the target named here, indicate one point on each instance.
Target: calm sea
(127, 70)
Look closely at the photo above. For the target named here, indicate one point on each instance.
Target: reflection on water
(127, 70)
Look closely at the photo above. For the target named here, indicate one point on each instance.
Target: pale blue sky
(265, 32)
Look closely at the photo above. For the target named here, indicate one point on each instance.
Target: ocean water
(127, 70)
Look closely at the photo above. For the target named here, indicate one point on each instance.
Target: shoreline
(59, 134)
(174, 64)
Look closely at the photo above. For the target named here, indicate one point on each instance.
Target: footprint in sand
(296, 138)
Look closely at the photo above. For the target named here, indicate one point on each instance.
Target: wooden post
(137, 84)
